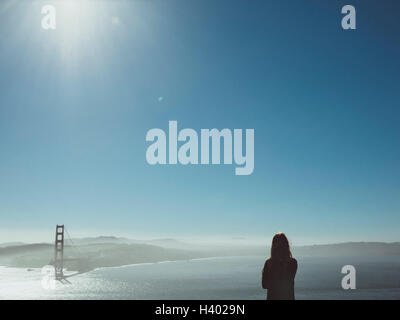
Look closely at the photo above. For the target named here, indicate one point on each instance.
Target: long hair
(280, 249)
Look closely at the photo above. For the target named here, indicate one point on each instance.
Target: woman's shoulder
(293, 261)
(268, 263)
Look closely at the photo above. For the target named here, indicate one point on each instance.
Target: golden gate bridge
(59, 247)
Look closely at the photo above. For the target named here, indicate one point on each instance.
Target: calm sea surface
(213, 278)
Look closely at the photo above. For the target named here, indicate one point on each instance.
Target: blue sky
(76, 104)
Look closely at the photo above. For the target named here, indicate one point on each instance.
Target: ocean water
(212, 278)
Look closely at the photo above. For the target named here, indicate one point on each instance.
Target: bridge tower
(59, 253)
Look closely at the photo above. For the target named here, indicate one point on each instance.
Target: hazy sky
(76, 104)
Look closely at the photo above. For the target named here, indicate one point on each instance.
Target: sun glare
(82, 30)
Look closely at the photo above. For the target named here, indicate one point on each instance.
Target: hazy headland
(86, 254)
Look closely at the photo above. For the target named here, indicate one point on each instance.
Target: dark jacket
(278, 278)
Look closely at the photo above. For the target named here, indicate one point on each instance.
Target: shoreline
(31, 269)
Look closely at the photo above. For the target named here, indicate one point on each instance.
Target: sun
(84, 34)
(82, 29)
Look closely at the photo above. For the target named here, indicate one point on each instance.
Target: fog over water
(119, 268)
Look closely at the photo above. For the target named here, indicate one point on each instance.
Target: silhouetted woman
(279, 270)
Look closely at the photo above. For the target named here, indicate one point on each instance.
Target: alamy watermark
(48, 278)
(349, 20)
(349, 280)
(188, 152)
(48, 21)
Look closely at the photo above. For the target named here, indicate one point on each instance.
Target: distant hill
(18, 249)
(86, 257)
(171, 243)
(11, 244)
(101, 239)
(350, 249)
(107, 251)
(337, 249)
